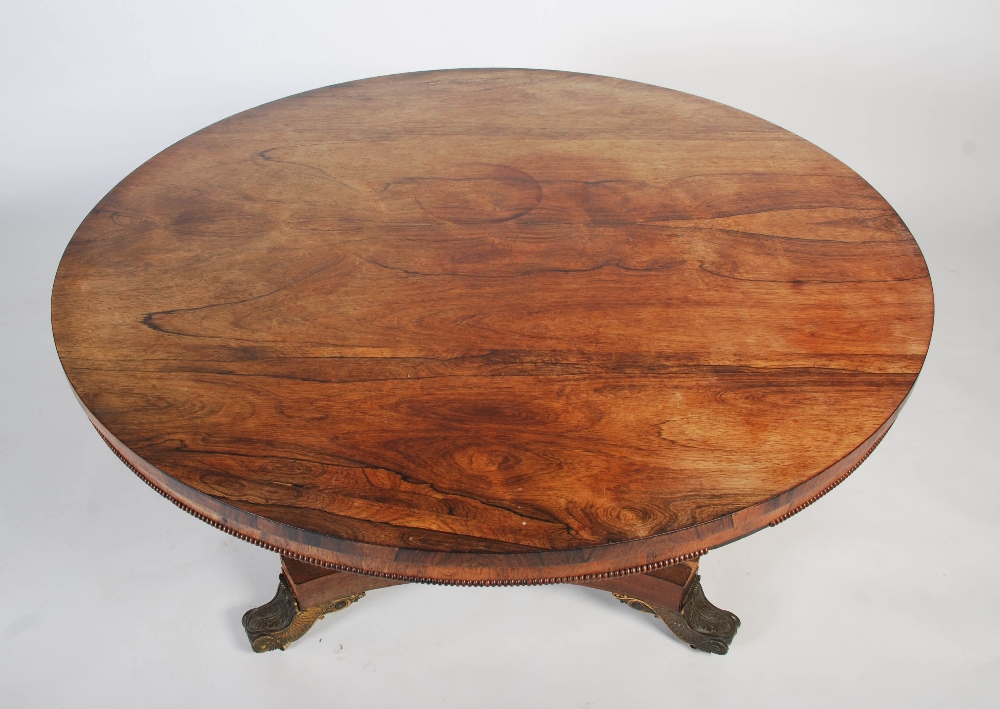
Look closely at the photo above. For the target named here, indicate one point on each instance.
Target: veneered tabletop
(492, 326)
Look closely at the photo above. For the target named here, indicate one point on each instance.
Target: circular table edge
(492, 568)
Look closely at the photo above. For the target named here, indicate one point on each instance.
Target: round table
(492, 327)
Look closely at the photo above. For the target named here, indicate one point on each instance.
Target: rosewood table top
(492, 326)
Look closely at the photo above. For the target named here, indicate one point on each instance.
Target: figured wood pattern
(492, 325)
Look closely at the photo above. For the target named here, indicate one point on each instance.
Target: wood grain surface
(492, 326)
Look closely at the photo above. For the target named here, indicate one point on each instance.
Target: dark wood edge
(493, 569)
(330, 585)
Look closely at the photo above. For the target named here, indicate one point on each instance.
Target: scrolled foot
(698, 623)
(280, 621)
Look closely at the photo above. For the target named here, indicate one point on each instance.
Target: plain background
(886, 593)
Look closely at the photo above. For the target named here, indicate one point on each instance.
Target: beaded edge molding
(395, 577)
(798, 508)
(652, 566)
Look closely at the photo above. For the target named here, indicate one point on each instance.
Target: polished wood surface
(492, 326)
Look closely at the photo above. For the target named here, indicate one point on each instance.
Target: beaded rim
(652, 566)
(579, 578)
(795, 510)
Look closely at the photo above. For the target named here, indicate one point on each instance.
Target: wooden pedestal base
(306, 593)
(674, 595)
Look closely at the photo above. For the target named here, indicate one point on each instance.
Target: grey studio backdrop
(882, 594)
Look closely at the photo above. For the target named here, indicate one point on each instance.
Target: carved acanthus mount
(698, 623)
(280, 621)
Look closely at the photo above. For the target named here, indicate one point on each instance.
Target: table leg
(674, 595)
(305, 594)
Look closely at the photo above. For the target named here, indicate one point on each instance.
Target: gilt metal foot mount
(280, 621)
(698, 623)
